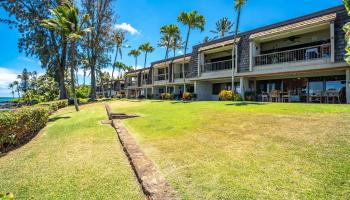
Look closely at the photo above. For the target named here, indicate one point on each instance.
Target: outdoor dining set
(328, 96)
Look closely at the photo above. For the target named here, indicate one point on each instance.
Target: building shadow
(244, 103)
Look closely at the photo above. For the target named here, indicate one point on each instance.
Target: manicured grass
(74, 157)
(222, 150)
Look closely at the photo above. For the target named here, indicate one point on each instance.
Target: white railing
(217, 66)
(296, 55)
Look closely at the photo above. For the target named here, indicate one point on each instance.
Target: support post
(332, 42)
(241, 87)
(251, 56)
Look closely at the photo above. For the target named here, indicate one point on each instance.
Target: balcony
(319, 52)
(179, 75)
(160, 77)
(217, 66)
(132, 84)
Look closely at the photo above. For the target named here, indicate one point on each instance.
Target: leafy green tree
(192, 20)
(26, 17)
(346, 29)
(146, 48)
(66, 21)
(224, 25)
(135, 53)
(168, 32)
(97, 45)
(238, 8)
(47, 88)
(17, 88)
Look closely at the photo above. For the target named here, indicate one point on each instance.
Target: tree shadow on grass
(53, 119)
(243, 103)
(176, 102)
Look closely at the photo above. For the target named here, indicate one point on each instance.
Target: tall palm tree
(192, 20)
(168, 32)
(11, 87)
(120, 67)
(136, 53)
(146, 48)
(24, 77)
(16, 84)
(119, 40)
(238, 8)
(222, 26)
(65, 20)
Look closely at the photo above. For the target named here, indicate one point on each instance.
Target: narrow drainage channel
(153, 184)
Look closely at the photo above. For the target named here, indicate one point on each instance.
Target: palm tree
(24, 77)
(222, 26)
(120, 67)
(206, 39)
(146, 48)
(168, 33)
(11, 87)
(66, 21)
(119, 40)
(192, 20)
(136, 53)
(16, 83)
(238, 7)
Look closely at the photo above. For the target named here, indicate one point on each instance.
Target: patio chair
(275, 96)
(333, 96)
(287, 97)
(264, 97)
(315, 97)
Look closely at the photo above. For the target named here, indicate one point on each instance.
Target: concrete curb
(153, 184)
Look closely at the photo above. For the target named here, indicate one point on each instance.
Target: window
(216, 88)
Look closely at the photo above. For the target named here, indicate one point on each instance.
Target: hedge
(21, 124)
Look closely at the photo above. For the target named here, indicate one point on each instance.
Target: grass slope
(74, 157)
(221, 150)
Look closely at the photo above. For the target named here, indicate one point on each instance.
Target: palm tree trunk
(84, 76)
(234, 51)
(72, 74)
(143, 75)
(93, 82)
(113, 66)
(184, 58)
(102, 88)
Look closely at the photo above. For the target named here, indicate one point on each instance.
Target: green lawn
(222, 150)
(74, 157)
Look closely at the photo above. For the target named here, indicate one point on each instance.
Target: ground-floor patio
(319, 87)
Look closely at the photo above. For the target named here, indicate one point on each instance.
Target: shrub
(187, 96)
(18, 125)
(83, 100)
(8, 196)
(83, 92)
(53, 106)
(119, 96)
(226, 95)
(238, 97)
(166, 96)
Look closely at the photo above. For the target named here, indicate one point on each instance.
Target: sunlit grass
(220, 150)
(74, 157)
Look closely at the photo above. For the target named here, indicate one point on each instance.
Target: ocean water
(3, 99)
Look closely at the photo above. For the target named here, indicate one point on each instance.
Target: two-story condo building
(298, 60)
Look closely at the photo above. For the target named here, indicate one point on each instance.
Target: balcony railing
(132, 83)
(295, 55)
(178, 75)
(217, 66)
(160, 77)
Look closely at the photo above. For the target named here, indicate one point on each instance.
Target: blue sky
(143, 18)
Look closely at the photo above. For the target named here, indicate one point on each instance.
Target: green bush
(186, 96)
(226, 95)
(17, 125)
(83, 92)
(167, 96)
(238, 97)
(84, 100)
(8, 196)
(53, 106)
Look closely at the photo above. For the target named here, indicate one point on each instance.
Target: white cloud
(127, 27)
(180, 52)
(6, 77)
